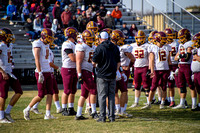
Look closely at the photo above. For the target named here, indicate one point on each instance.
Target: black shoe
(80, 118)
(186, 105)
(196, 109)
(167, 103)
(101, 120)
(95, 115)
(153, 101)
(65, 112)
(71, 111)
(158, 103)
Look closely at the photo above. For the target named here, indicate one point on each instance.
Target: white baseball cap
(108, 12)
(104, 35)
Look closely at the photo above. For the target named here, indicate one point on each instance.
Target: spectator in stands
(11, 12)
(83, 23)
(29, 30)
(80, 3)
(117, 15)
(41, 11)
(33, 7)
(125, 30)
(95, 7)
(100, 23)
(89, 12)
(133, 30)
(106, 1)
(109, 21)
(56, 12)
(64, 2)
(47, 23)
(47, 4)
(37, 26)
(78, 11)
(72, 8)
(73, 22)
(102, 11)
(25, 13)
(81, 17)
(66, 16)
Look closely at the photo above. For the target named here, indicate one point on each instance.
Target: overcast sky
(160, 4)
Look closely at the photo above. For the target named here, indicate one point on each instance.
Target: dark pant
(106, 88)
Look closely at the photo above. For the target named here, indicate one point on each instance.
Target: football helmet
(150, 38)
(97, 37)
(92, 26)
(47, 35)
(140, 37)
(170, 35)
(7, 35)
(117, 37)
(160, 37)
(184, 36)
(88, 37)
(108, 30)
(196, 40)
(71, 32)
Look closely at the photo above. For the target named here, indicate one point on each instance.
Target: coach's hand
(41, 78)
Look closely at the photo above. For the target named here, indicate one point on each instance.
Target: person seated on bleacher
(11, 12)
(133, 31)
(78, 11)
(73, 22)
(37, 26)
(25, 13)
(109, 21)
(100, 23)
(72, 8)
(41, 11)
(125, 30)
(102, 11)
(29, 30)
(47, 23)
(117, 15)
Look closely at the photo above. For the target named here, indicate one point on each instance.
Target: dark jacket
(73, 23)
(29, 27)
(106, 55)
(125, 31)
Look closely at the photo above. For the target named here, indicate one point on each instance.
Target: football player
(117, 37)
(68, 71)
(172, 79)
(184, 56)
(34, 109)
(40, 49)
(92, 26)
(141, 54)
(195, 66)
(159, 65)
(84, 53)
(151, 40)
(7, 78)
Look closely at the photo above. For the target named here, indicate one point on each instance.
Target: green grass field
(153, 120)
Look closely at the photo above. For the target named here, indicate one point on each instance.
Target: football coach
(107, 59)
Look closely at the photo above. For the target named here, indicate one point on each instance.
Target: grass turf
(152, 120)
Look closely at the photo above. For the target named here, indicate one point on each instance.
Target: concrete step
(121, 9)
(112, 5)
(129, 18)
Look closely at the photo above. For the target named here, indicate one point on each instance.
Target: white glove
(118, 75)
(41, 78)
(124, 76)
(192, 77)
(59, 70)
(12, 76)
(176, 72)
(12, 66)
(171, 76)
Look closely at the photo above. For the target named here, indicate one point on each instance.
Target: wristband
(40, 73)
(79, 74)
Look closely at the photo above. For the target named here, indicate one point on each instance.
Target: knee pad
(183, 90)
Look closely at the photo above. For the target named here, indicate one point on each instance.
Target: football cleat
(35, 110)
(71, 111)
(158, 102)
(148, 106)
(80, 118)
(125, 115)
(95, 115)
(153, 101)
(167, 103)
(197, 108)
(65, 112)
(179, 107)
(8, 117)
(172, 104)
(49, 117)
(162, 106)
(134, 105)
(88, 110)
(26, 114)
(5, 121)
(59, 110)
